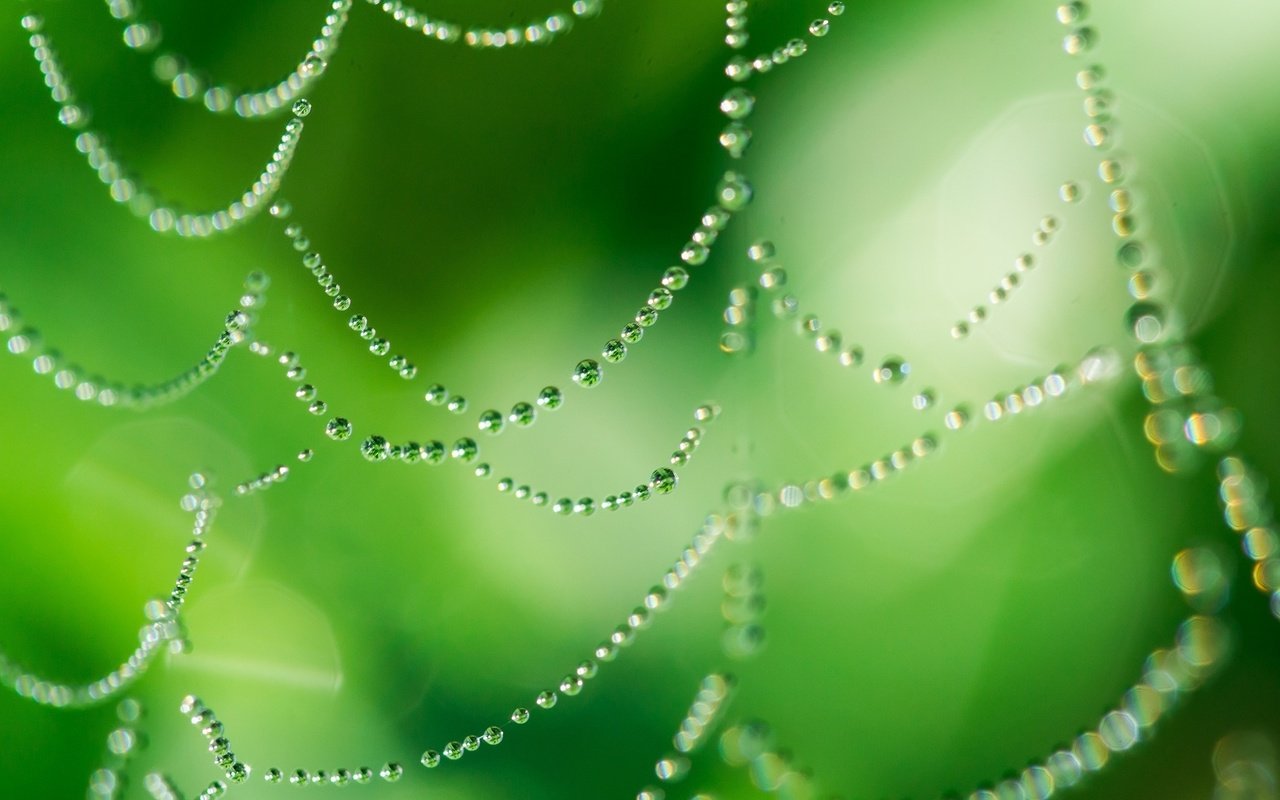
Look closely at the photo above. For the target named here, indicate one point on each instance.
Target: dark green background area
(499, 215)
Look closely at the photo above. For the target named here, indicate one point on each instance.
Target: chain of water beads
(1201, 645)
(1186, 419)
(123, 743)
(538, 31)
(163, 628)
(1049, 225)
(124, 189)
(738, 103)
(733, 193)
(741, 68)
(714, 693)
(189, 84)
(25, 342)
(714, 527)
(750, 745)
(743, 608)
(662, 480)
(892, 370)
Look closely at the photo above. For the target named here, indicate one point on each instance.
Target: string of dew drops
(127, 190)
(163, 629)
(1187, 422)
(25, 342)
(654, 600)
(193, 85)
(1023, 264)
(539, 31)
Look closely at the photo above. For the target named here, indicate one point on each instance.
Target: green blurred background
(499, 216)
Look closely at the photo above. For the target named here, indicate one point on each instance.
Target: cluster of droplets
(714, 692)
(542, 30)
(264, 480)
(1242, 493)
(492, 421)
(655, 600)
(124, 189)
(743, 609)
(1097, 366)
(25, 342)
(661, 481)
(623, 635)
(1244, 764)
(738, 103)
(190, 84)
(825, 489)
(160, 787)
(163, 628)
(1186, 420)
(211, 728)
(390, 772)
(740, 68)
(751, 745)
(123, 743)
(358, 323)
(1200, 647)
(733, 193)
(1099, 134)
(892, 370)
(1024, 263)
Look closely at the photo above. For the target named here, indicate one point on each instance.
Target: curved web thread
(1245, 503)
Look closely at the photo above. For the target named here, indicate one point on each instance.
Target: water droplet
(819, 27)
(614, 350)
(391, 772)
(737, 103)
(1071, 13)
(733, 191)
(1147, 322)
(491, 421)
(675, 278)
(312, 65)
(520, 716)
(1078, 41)
(587, 373)
(338, 429)
(465, 450)
(892, 370)
(302, 107)
(694, 253)
(735, 138)
(663, 480)
(492, 735)
(547, 699)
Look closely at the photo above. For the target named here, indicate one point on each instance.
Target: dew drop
(302, 107)
(737, 103)
(675, 278)
(663, 480)
(735, 138)
(587, 373)
(819, 27)
(733, 191)
(614, 350)
(550, 398)
(892, 370)
(338, 429)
